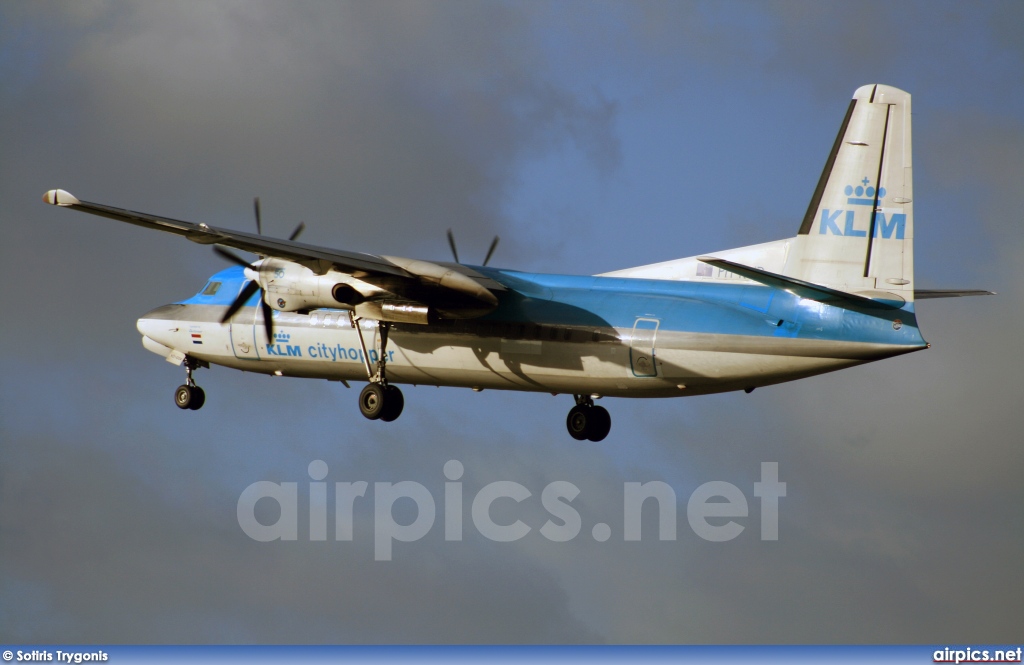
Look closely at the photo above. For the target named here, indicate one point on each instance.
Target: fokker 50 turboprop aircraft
(839, 294)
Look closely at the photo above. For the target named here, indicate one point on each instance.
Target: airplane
(838, 294)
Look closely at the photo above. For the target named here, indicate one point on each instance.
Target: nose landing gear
(586, 421)
(190, 396)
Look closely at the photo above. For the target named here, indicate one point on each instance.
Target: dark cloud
(387, 118)
(690, 125)
(104, 557)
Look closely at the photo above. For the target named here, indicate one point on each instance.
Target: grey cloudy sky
(590, 136)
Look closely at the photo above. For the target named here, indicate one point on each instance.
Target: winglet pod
(59, 197)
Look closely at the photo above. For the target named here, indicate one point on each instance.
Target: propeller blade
(297, 231)
(234, 258)
(268, 320)
(259, 220)
(247, 292)
(494, 245)
(451, 243)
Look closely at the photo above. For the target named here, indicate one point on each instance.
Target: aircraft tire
(600, 423)
(198, 398)
(372, 401)
(183, 397)
(578, 421)
(394, 402)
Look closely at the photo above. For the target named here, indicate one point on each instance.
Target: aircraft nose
(160, 324)
(146, 325)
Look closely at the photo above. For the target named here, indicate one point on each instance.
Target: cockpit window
(211, 288)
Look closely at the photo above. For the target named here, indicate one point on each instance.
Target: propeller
(451, 243)
(455, 252)
(259, 221)
(490, 252)
(253, 286)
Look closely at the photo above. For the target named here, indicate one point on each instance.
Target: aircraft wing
(924, 294)
(441, 284)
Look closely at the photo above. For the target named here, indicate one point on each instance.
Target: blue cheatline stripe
(697, 307)
(154, 655)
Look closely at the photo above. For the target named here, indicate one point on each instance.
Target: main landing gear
(379, 400)
(190, 396)
(586, 421)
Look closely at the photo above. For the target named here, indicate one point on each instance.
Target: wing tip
(59, 197)
(929, 294)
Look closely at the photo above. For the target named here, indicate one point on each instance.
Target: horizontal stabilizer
(803, 289)
(924, 294)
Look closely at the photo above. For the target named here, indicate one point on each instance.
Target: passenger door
(642, 344)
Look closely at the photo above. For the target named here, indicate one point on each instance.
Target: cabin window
(211, 288)
(568, 334)
(553, 335)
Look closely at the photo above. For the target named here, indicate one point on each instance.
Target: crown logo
(282, 337)
(863, 194)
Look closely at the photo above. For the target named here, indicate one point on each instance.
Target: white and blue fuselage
(607, 336)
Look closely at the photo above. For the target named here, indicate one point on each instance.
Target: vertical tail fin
(858, 233)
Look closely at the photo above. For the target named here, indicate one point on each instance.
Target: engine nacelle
(291, 287)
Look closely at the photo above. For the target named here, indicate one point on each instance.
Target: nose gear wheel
(189, 396)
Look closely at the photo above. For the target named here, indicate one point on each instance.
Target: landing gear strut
(586, 421)
(190, 396)
(378, 400)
